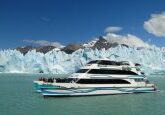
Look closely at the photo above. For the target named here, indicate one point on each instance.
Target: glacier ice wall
(58, 62)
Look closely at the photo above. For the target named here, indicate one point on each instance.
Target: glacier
(58, 62)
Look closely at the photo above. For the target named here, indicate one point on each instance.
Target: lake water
(17, 97)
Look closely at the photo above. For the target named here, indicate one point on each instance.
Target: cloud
(130, 40)
(112, 29)
(44, 43)
(156, 25)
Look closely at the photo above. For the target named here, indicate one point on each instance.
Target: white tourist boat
(100, 77)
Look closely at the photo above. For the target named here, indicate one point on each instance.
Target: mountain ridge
(99, 44)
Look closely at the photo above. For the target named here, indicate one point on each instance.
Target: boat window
(82, 71)
(123, 63)
(65, 80)
(117, 72)
(104, 62)
(93, 62)
(139, 79)
(102, 81)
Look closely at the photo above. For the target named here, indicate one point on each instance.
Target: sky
(78, 21)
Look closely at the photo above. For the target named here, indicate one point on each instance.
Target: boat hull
(39, 86)
(95, 91)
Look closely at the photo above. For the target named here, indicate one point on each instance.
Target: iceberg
(59, 62)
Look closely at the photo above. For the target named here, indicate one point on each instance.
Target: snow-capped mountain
(98, 43)
(91, 43)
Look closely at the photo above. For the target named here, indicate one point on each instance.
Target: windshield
(93, 62)
(82, 71)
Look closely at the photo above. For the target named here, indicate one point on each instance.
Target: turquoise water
(17, 97)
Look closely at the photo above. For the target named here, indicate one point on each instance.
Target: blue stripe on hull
(76, 92)
(39, 87)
